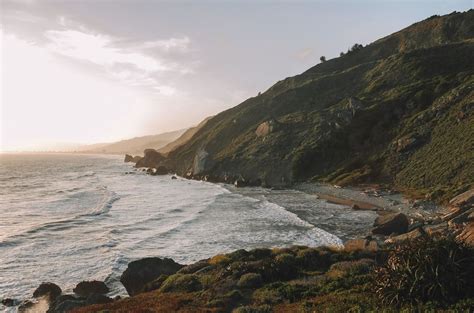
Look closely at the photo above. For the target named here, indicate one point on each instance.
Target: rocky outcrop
(199, 162)
(152, 159)
(128, 158)
(87, 288)
(48, 290)
(141, 272)
(396, 223)
(265, 128)
(465, 199)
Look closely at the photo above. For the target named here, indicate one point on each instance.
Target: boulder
(136, 158)
(361, 245)
(151, 159)
(396, 223)
(466, 199)
(9, 302)
(161, 170)
(461, 218)
(128, 158)
(86, 288)
(467, 234)
(174, 177)
(436, 229)
(416, 233)
(265, 128)
(49, 290)
(143, 271)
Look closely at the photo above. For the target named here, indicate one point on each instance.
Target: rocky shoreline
(399, 221)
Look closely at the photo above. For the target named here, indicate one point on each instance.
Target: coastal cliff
(398, 111)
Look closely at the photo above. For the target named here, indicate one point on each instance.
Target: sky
(89, 71)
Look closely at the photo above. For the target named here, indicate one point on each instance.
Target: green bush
(181, 282)
(428, 269)
(250, 280)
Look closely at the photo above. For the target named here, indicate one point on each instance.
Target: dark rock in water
(161, 170)
(141, 272)
(152, 159)
(174, 177)
(59, 300)
(128, 158)
(49, 290)
(396, 223)
(9, 302)
(87, 288)
(136, 158)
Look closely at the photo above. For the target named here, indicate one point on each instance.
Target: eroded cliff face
(372, 115)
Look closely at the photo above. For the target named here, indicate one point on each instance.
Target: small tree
(322, 59)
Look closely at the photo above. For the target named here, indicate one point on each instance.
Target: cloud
(133, 64)
(98, 49)
(172, 44)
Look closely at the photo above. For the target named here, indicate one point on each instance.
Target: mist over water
(68, 218)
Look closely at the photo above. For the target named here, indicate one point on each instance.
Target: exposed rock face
(265, 128)
(396, 223)
(87, 288)
(199, 161)
(49, 290)
(161, 170)
(141, 272)
(151, 159)
(128, 158)
(406, 143)
(136, 158)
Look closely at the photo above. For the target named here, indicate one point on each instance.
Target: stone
(174, 177)
(9, 302)
(49, 290)
(128, 158)
(406, 143)
(396, 223)
(355, 207)
(454, 212)
(265, 128)
(416, 233)
(143, 271)
(436, 229)
(151, 159)
(161, 170)
(464, 199)
(467, 235)
(86, 288)
(461, 218)
(361, 245)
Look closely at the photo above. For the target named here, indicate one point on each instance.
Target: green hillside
(399, 111)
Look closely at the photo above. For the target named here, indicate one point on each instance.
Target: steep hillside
(399, 111)
(135, 145)
(185, 137)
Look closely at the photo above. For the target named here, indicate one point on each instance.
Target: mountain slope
(135, 145)
(185, 137)
(398, 111)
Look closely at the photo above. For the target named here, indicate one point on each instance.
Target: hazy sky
(93, 71)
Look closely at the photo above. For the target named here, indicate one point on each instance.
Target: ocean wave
(102, 207)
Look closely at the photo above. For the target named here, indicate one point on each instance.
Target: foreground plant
(429, 269)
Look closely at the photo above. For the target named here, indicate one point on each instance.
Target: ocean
(66, 218)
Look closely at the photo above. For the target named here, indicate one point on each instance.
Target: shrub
(428, 269)
(357, 267)
(220, 259)
(250, 280)
(181, 282)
